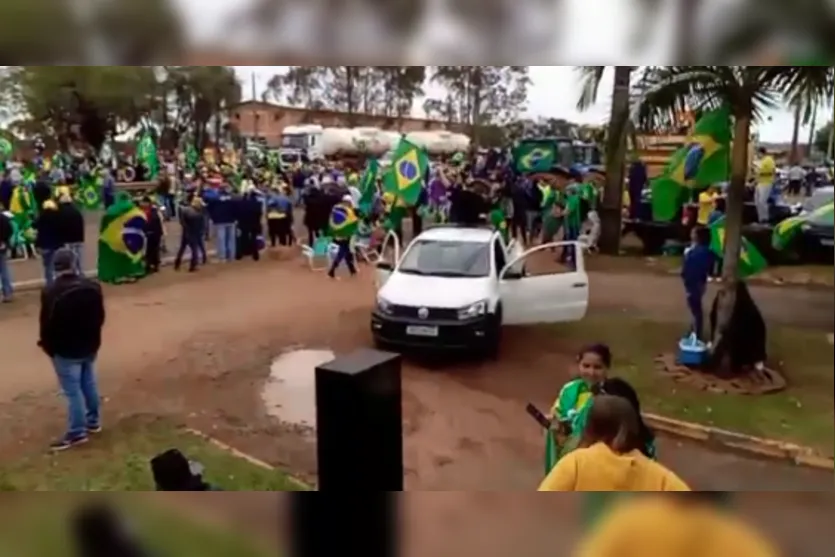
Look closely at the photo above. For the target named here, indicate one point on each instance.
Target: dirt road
(197, 347)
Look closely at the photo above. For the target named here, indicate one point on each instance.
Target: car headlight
(384, 306)
(475, 310)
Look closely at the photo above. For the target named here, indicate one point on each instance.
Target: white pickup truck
(454, 287)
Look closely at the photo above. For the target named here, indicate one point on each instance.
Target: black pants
(193, 245)
(795, 187)
(280, 231)
(344, 254)
(312, 234)
(248, 243)
(152, 249)
(519, 228)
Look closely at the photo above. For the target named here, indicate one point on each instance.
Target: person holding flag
(343, 225)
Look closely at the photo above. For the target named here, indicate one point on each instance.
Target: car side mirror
(385, 266)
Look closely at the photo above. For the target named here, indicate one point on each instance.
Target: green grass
(119, 461)
(37, 526)
(803, 413)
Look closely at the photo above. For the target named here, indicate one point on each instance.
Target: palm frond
(590, 79)
(662, 92)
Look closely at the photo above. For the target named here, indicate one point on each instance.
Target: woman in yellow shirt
(610, 457)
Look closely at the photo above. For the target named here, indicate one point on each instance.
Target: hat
(63, 261)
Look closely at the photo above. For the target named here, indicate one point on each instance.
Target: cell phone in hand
(537, 415)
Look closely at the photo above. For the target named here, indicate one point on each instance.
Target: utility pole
(255, 115)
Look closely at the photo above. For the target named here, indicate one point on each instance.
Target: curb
(790, 452)
(243, 456)
(37, 284)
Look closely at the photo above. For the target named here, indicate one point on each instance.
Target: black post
(359, 423)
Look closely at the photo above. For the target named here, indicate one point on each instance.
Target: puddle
(290, 392)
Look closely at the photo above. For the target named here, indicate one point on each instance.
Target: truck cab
(298, 140)
(455, 287)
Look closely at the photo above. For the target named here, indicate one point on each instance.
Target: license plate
(827, 242)
(422, 331)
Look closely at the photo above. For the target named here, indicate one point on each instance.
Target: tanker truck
(315, 142)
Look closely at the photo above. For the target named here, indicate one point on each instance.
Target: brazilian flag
(405, 176)
(343, 221)
(88, 193)
(535, 156)
(368, 186)
(751, 261)
(786, 230)
(122, 242)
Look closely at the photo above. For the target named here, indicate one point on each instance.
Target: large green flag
(786, 230)
(404, 178)
(122, 242)
(368, 187)
(535, 156)
(146, 153)
(751, 261)
(704, 161)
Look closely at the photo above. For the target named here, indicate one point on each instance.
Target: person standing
(71, 319)
(766, 174)
(6, 231)
(797, 176)
(222, 210)
(153, 235)
(72, 227)
(191, 222)
(48, 238)
(699, 263)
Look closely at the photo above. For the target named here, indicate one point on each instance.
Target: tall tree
(137, 31)
(748, 91)
(205, 93)
(619, 127)
(485, 95)
(300, 86)
(41, 31)
(400, 85)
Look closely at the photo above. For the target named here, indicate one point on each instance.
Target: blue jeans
(226, 239)
(694, 303)
(47, 258)
(5, 276)
(343, 254)
(568, 256)
(78, 251)
(78, 382)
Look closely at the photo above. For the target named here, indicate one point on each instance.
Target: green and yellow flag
(751, 261)
(404, 178)
(786, 230)
(368, 187)
(704, 161)
(535, 156)
(122, 242)
(88, 194)
(146, 153)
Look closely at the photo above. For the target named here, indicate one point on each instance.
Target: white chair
(323, 250)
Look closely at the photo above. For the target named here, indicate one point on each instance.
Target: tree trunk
(794, 154)
(830, 150)
(688, 12)
(812, 130)
(610, 210)
(733, 224)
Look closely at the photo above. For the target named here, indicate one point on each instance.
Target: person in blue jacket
(698, 265)
(223, 213)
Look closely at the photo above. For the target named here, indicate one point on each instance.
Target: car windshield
(447, 259)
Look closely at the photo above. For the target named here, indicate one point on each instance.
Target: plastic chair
(323, 248)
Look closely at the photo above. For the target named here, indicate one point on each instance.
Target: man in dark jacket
(222, 208)
(71, 227)
(191, 221)
(6, 231)
(249, 215)
(71, 320)
(48, 239)
(41, 192)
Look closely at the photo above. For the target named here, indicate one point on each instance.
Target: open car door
(389, 258)
(557, 297)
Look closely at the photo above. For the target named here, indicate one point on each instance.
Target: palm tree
(748, 91)
(610, 210)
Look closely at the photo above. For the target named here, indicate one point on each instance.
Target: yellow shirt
(706, 203)
(657, 526)
(598, 468)
(766, 171)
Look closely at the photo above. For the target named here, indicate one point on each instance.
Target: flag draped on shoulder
(704, 161)
(751, 261)
(786, 230)
(405, 176)
(343, 221)
(368, 187)
(122, 242)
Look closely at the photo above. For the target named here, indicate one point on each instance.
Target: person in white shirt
(796, 177)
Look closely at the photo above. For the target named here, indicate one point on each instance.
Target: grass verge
(118, 460)
(38, 527)
(803, 413)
